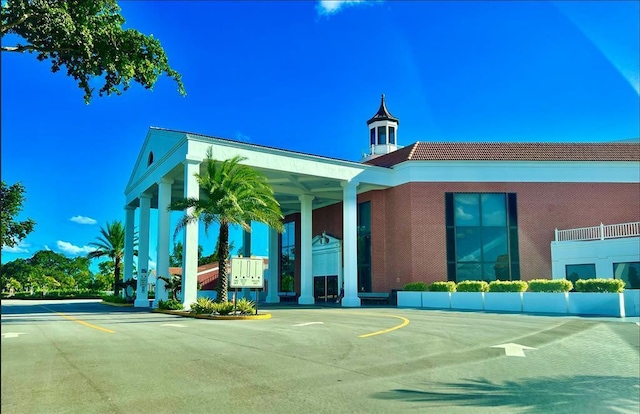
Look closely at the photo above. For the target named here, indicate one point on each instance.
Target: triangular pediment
(157, 146)
(324, 241)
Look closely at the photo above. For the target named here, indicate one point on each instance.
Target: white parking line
(309, 323)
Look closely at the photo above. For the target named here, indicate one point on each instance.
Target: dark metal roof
(383, 114)
(510, 151)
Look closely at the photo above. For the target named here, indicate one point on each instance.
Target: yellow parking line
(99, 328)
(405, 322)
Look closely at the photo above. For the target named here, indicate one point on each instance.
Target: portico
(165, 171)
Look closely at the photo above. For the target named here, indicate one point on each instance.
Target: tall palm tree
(111, 244)
(234, 194)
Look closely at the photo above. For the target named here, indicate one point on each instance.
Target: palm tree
(111, 244)
(234, 194)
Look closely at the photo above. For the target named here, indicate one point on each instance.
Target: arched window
(150, 159)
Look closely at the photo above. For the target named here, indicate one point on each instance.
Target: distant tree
(18, 269)
(175, 258)
(234, 194)
(111, 244)
(86, 36)
(173, 285)
(11, 200)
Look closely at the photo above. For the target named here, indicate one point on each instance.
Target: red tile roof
(510, 151)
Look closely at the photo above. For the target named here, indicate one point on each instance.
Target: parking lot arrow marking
(12, 334)
(175, 325)
(512, 349)
(310, 323)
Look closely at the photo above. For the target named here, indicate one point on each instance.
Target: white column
(274, 267)
(190, 244)
(129, 234)
(142, 294)
(162, 260)
(306, 269)
(350, 243)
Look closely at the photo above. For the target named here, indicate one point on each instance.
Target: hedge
(472, 286)
(508, 286)
(442, 287)
(547, 285)
(415, 286)
(600, 285)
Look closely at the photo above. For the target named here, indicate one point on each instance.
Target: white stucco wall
(602, 253)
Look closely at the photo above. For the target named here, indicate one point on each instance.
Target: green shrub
(600, 285)
(245, 306)
(415, 286)
(442, 287)
(170, 304)
(547, 285)
(223, 308)
(472, 286)
(115, 299)
(203, 306)
(508, 286)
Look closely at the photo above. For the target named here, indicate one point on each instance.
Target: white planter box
(436, 300)
(587, 303)
(503, 301)
(467, 300)
(545, 302)
(632, 302)
(409, 299)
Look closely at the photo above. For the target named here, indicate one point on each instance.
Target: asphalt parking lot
(86, 357)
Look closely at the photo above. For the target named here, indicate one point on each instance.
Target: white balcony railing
(601, 232)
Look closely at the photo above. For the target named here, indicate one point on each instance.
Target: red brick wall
(408, 229)
(541, 208)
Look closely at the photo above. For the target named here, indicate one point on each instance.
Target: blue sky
(306, 76)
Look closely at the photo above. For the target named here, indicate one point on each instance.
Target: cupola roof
(382, 114)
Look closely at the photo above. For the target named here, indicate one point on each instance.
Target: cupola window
(392, 135)
(382, 135)
(373, 136)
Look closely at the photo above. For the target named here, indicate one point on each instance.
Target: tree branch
(5, 27)
(32, 48)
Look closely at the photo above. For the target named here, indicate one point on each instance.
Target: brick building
(427, 211)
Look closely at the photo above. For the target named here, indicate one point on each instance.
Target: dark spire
(382, 114)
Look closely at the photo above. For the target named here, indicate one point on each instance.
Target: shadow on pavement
(562, 394)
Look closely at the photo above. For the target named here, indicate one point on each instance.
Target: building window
(150, 159)
(580, 271)
(382, 135)
(482, 236)
(288, 257)
(392, 135)
(373, 136)
(364, 247)
(629, 272)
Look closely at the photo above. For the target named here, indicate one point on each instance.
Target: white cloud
(242, 137)
(68, 248)
(20, 248)
(329, 7)
(83, 220)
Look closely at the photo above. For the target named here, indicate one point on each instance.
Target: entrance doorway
(325, 288)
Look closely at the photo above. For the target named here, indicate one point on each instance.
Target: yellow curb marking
(99, 328)
(404, 323)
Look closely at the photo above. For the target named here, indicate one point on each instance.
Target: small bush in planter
(224, 308)
(600, 285)
(472, 286)
(245, 306)
(415, 287)
(442, 287)
(203, 306)
(170, 304)
(508, 286)
(547, 285)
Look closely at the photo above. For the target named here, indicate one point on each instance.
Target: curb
(186, 314)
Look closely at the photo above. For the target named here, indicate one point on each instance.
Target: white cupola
(383, 133)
